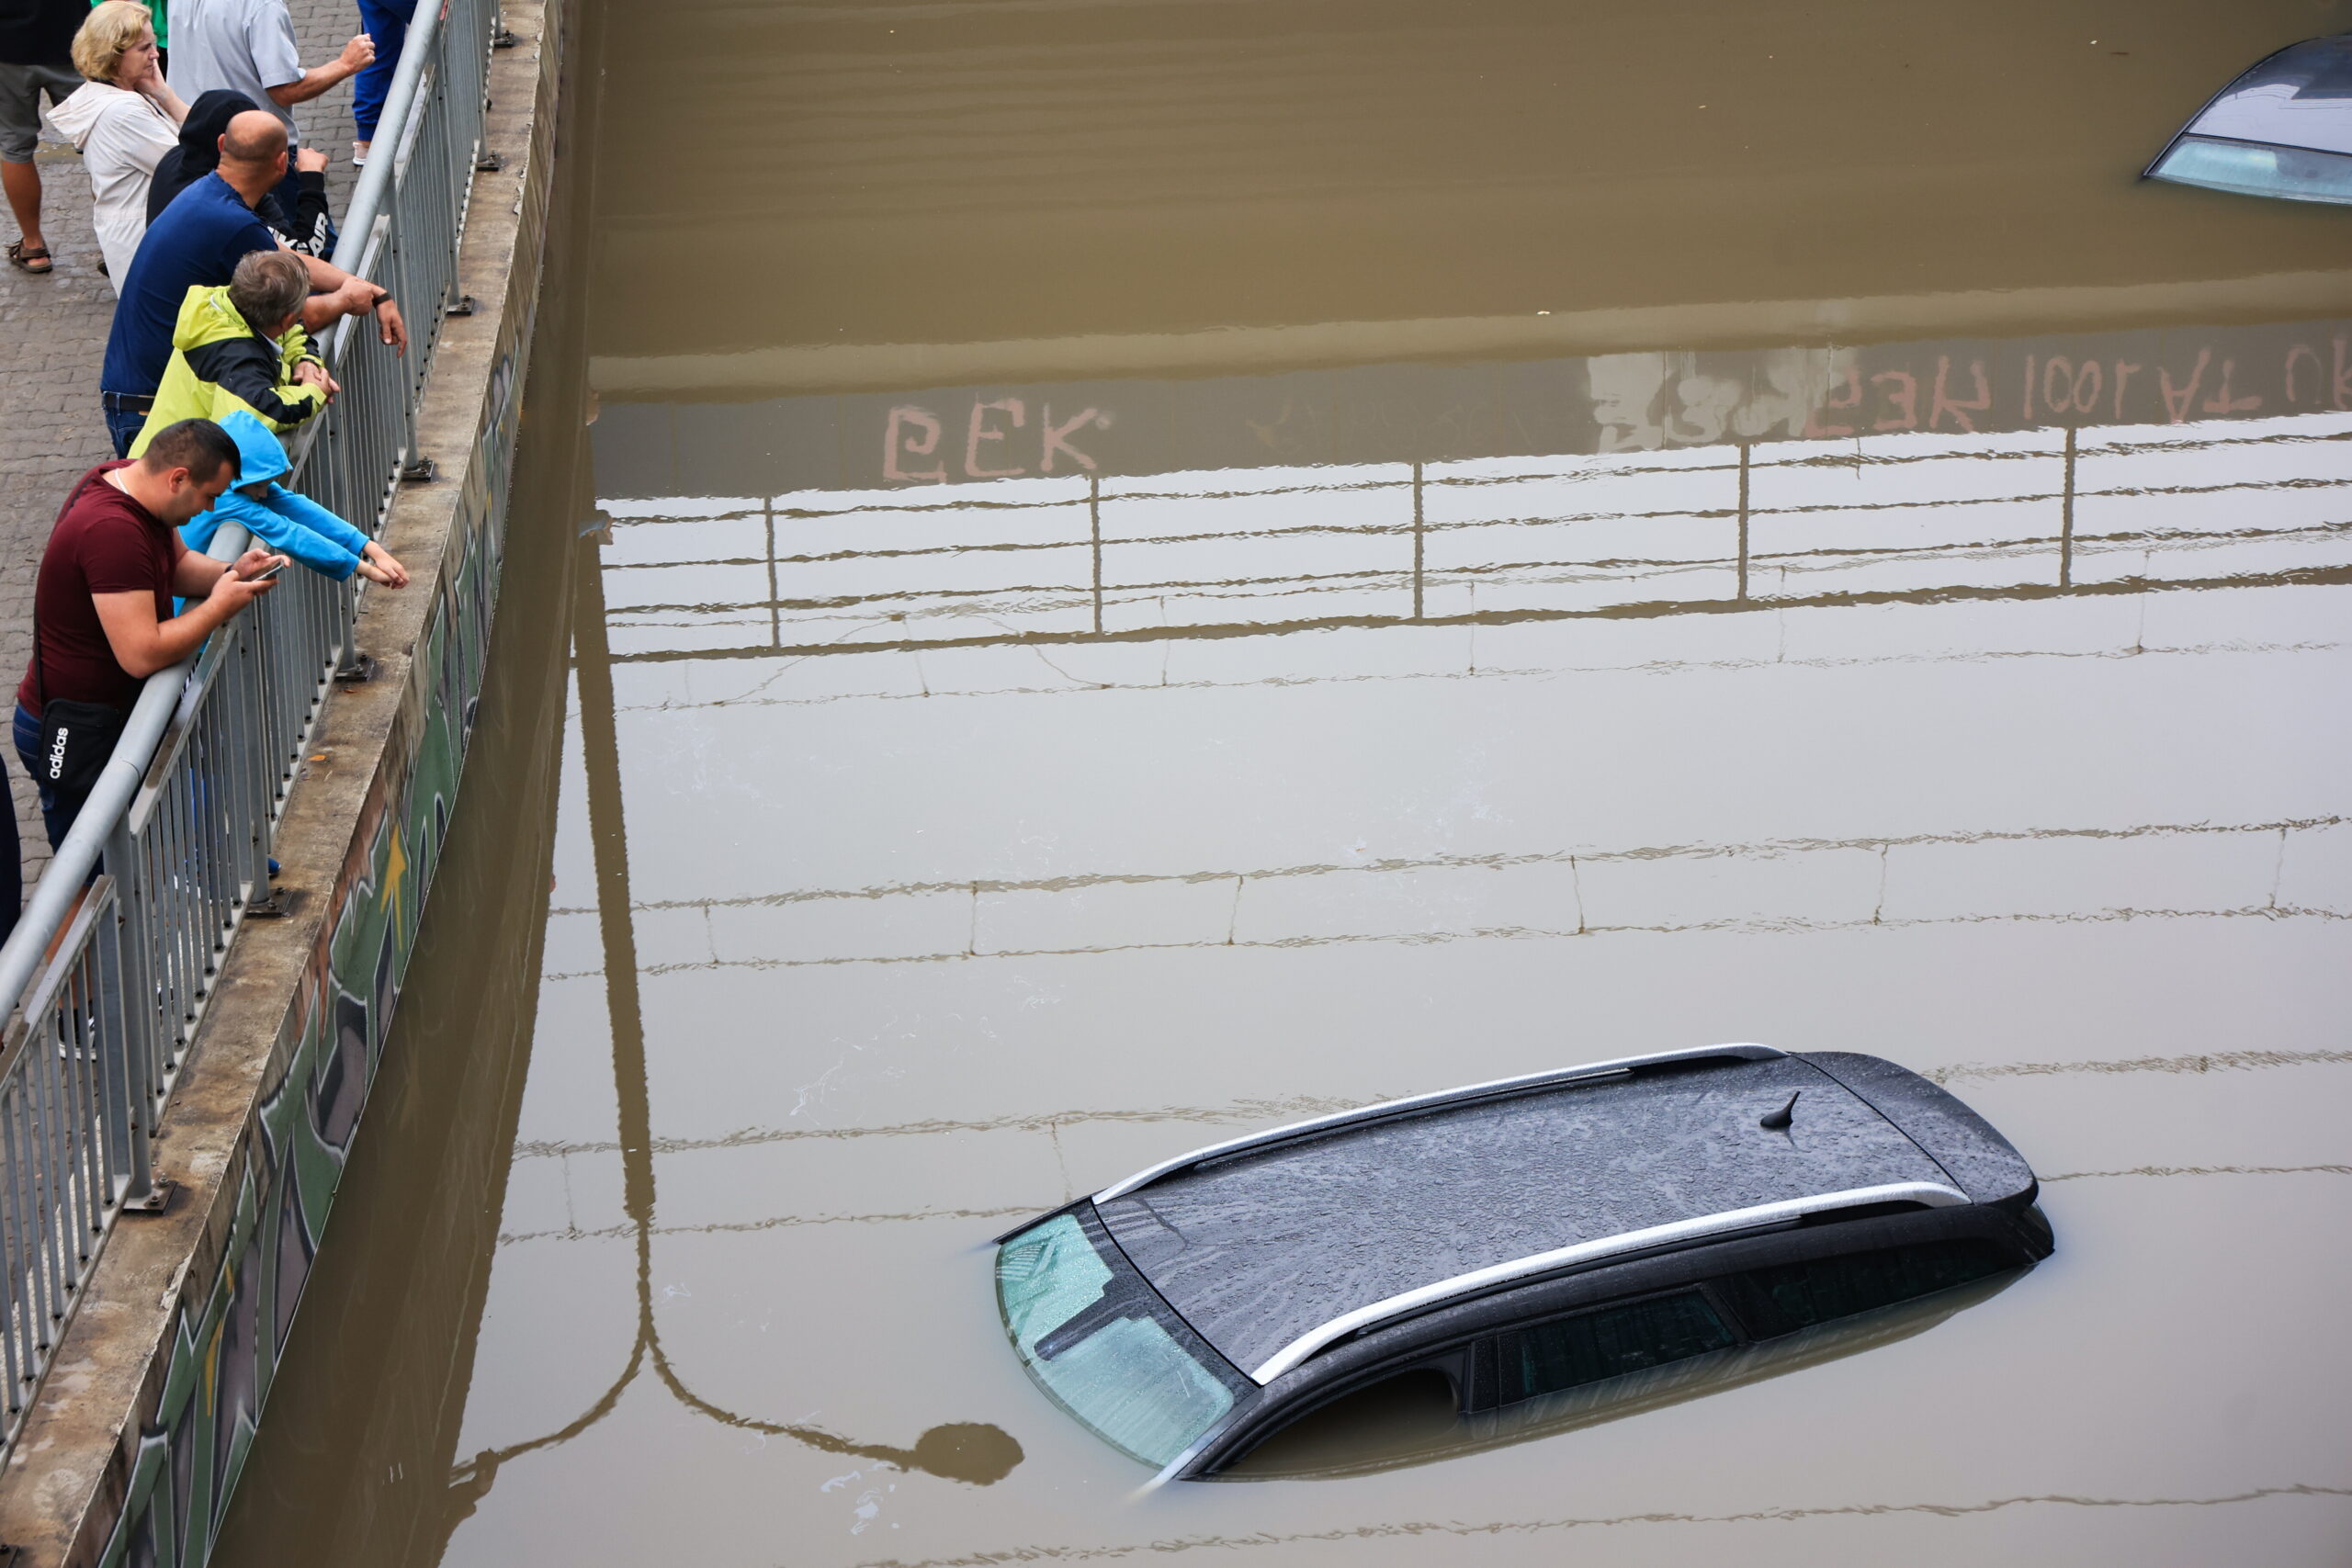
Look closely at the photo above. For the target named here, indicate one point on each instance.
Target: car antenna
(1778, 1120)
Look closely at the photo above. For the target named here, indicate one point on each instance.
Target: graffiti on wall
(226, 1341)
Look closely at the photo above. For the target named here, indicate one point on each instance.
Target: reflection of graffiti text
(995, 434)
(896, 441)
(1649, 401)
(1958, 409)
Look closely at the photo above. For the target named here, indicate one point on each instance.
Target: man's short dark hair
(197, 445)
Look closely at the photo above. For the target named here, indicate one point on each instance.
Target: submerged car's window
(2294, 172)
(1103, 1346)
(1595, 1345)
(1797, 1295)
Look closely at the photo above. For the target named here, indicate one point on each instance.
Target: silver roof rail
(1391, 1108)
(1933, 1194)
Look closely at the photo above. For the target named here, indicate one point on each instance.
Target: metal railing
(113, 963)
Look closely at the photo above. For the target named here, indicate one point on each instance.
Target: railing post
(249, 736)
(133, 1053)
(124, 1129)
(16, 1356)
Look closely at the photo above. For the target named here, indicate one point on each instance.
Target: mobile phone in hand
(267, 572)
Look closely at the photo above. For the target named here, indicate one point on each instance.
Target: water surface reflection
(936, 914)
(1076, 701)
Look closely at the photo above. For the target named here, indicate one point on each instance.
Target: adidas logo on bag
(57, 756)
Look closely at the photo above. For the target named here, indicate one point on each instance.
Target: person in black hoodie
(307, 229)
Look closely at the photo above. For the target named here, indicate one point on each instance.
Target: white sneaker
(359, 154)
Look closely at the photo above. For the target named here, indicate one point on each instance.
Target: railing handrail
(376, 177)
(53, 901)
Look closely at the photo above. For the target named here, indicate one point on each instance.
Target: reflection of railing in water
(1488, 541)
(1243, 1114)
(619, 918)
(2267, 871)
(968, 1451)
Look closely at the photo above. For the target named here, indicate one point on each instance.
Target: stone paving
(53, 337)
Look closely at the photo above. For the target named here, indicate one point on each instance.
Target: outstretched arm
(356, 56)
(308, 532)
(338, 294)
(371, 560)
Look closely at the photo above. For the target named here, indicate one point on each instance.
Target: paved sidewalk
(52, 336)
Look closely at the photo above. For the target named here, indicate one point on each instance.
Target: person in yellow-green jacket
(242, 347)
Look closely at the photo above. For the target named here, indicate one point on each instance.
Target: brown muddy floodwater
(1132, 570)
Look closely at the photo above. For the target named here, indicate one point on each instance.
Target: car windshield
(1103, 1346)
(2294, 172)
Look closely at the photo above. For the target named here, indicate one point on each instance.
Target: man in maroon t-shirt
(102, 605)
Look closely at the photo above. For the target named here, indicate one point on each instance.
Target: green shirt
(156, 15)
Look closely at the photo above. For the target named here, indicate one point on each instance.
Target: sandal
(35, 260)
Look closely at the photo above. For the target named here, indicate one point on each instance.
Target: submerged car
(2283, 129)
(1518, 1239)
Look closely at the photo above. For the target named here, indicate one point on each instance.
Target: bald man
(196, 242)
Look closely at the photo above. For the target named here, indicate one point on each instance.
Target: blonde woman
(124, 120)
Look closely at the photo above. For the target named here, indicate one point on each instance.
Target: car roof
(2301, 97)
(1260, 1247)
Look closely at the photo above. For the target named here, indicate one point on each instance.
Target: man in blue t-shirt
(196, 242)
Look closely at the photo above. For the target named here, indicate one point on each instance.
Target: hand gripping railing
(108, 975)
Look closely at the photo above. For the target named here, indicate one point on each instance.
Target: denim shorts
(20, 90)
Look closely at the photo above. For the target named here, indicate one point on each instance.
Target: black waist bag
(76, 739)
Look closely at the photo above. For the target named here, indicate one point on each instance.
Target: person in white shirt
(124, 119)
(247, 46)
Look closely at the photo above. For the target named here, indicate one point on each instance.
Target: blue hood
(258, 451)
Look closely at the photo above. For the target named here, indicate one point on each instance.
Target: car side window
(1791, 1296)
(1548, 1357)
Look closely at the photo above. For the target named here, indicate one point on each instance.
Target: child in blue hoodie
(292, 525)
